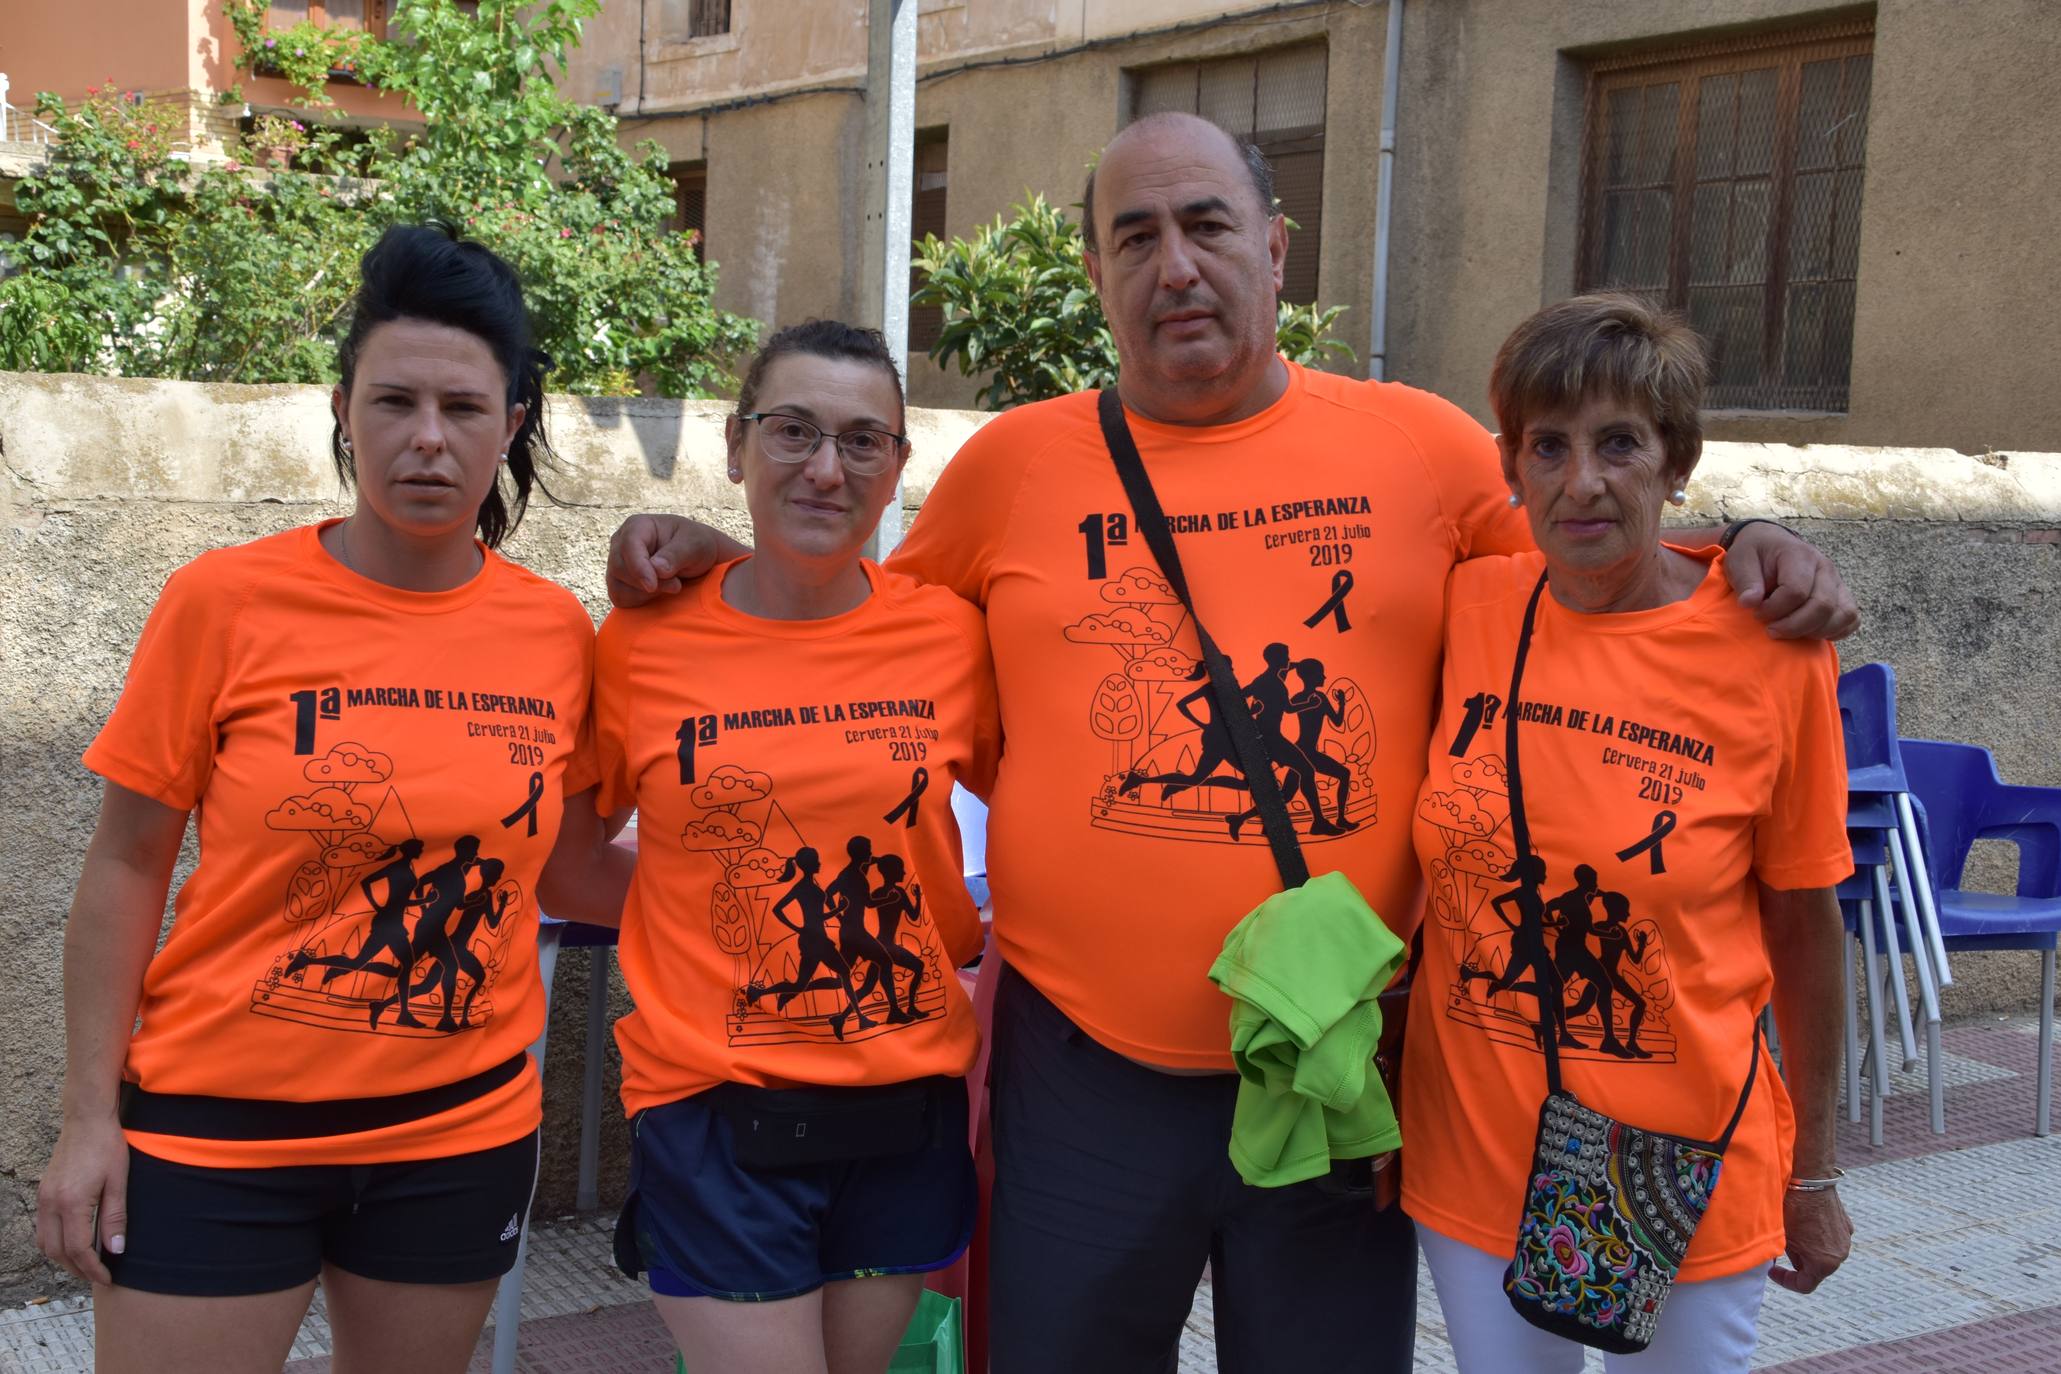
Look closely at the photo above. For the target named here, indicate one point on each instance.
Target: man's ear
(1092, 260)
(1277, 249)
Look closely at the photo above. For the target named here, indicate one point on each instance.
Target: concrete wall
(109, 485)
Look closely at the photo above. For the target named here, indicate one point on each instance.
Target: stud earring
(346, 444)
(1515, 500)
(504, 457)
(1679, 496)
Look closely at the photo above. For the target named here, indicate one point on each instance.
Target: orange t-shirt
(798, 912)
(1682, 757)
(379, 776)
(1316, 537)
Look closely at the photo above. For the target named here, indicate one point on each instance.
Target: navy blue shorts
(705, 1227)
(197, 1231)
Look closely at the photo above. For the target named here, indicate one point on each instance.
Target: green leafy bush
(1020, 310)
(140, 263)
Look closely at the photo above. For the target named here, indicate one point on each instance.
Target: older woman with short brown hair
(1631, 827)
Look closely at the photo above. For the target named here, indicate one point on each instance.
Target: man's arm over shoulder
(964, 523)
(1465, 467)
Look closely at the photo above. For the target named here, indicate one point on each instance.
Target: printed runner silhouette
(1159, 715)
(483, 903)
(772, 915)
(389, 930)
(893, 902)
(814, 944)
(1557, 952)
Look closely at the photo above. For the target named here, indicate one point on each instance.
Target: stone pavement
(1956, 1267)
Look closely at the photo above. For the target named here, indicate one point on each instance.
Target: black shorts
(203, 1232)
(706, 1226)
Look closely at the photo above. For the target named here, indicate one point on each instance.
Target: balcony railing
(19, 125)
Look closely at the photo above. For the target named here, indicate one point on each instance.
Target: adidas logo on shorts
(513, 1228)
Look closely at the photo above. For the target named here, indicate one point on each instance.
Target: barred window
(927, 216)
(1276, 100)
(1725, 181)
(368, 15)
(690, 203)
(681, 19)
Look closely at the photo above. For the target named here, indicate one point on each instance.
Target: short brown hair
(1608, 344)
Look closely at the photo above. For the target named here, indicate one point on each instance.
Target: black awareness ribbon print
(905, 809)
(528, 807)
(1341, 583)
(1649, 843)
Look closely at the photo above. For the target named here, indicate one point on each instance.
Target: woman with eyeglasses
(799, 1103)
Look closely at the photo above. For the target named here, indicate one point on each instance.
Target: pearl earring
(1515, 500)
(1679, 496)
(504, 457)
(346, 444)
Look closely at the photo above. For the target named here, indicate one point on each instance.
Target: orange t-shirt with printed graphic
(798, 912)
(1672, 760)
(1316, 537)
(379, 776)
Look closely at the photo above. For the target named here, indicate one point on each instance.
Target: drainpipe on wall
(1384, 195)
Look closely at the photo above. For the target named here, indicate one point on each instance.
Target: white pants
(1706, 1328)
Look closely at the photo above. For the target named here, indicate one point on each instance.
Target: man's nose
(1177, 271)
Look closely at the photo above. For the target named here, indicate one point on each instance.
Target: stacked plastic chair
(1890, 879)
(1961, 799)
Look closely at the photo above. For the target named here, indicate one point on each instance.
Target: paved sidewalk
(1956, 1269)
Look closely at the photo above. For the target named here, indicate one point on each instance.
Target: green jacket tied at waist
(1304, 971)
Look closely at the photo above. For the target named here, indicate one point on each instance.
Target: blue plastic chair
(1962, 800)
(1859, 908)
(1879, 806)
(1875, 767)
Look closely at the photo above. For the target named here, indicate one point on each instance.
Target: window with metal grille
(681, 19)
(1275, 100)
(1726, 183)
(927, 216)
(369, 15)
(690, 203)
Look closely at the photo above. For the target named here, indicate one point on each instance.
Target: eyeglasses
(791, 439)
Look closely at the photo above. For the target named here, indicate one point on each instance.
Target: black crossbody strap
(1520, 828)
(1231, 706)
(1520, 841)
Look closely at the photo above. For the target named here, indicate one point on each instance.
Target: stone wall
(108, 485)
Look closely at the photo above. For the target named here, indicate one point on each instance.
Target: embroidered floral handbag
(1611, 1207)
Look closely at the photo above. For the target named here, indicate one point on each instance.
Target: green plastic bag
(933, 1344)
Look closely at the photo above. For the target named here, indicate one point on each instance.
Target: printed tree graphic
(723, 830)
(1118, 716)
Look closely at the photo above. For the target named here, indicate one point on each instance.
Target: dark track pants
(1113, 1188)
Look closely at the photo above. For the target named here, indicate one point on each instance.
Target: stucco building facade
(1854, 200)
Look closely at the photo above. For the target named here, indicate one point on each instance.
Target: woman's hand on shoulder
(83, 1197)
(1820, 1236)
(654, 555)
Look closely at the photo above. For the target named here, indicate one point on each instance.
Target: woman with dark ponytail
(239, 1120)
